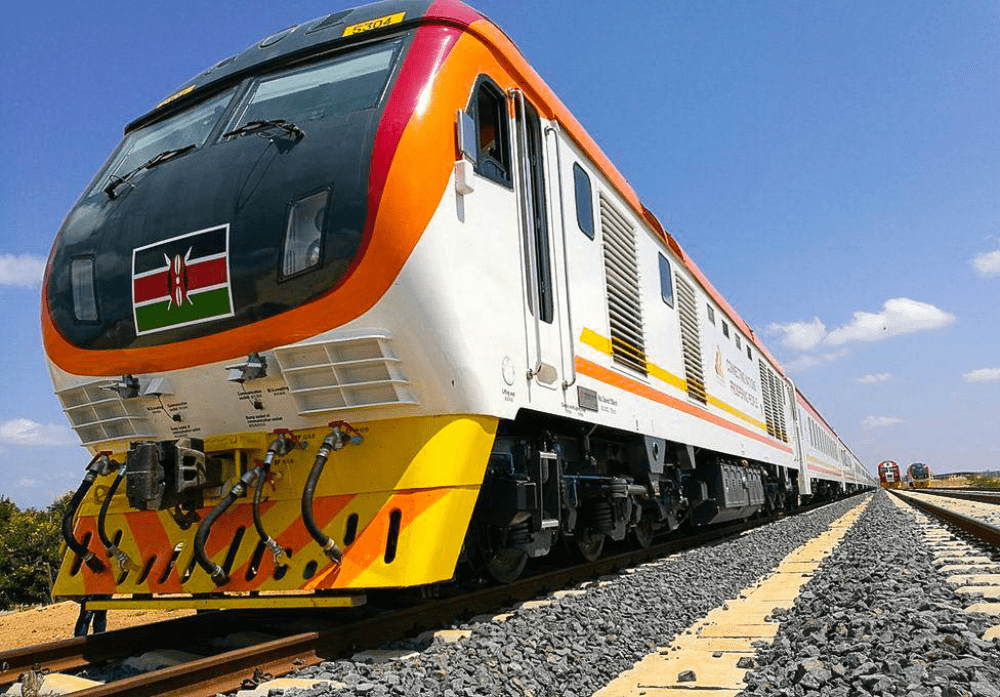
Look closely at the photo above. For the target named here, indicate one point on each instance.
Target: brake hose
(99, 465)
(337, 439)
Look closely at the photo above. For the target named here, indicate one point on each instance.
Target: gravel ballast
(879, 619)
(578, 644)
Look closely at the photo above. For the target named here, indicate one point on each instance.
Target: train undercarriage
(556, 483)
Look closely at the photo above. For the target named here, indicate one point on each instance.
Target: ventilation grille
(774, 402)
(694, 369)
(622, 277)
(344, 374)
(97, 414)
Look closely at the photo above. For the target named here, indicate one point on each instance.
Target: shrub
(29, 551)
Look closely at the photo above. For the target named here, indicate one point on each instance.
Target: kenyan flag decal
(182, 281)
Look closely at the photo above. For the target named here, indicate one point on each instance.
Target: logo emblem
(182, 281)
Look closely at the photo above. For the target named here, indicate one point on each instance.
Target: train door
(805, 487)
(542, 304)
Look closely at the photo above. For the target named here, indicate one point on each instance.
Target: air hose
(109, 545)
(338, 438)
(239, 490)
(98, 466)
(281, 445)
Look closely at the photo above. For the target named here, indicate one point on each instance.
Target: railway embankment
(880, 617)
(574, 644)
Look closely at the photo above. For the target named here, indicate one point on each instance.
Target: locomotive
(888, 475)
(919, 475)
(365, 302)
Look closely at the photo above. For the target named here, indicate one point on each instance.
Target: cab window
(489, 112)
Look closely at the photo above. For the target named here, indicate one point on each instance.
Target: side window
(749, 355)
(666, 282)
(585, 202)
(738, 344)
(489, 111)
(711, 313)
(725, 330)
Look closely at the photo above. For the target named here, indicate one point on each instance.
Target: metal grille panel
(344, 374)
(774, 402)
(621, 273)
(694, 368)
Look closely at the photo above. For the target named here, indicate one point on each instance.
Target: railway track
(981, 495)
(232, 669)
(979, 529)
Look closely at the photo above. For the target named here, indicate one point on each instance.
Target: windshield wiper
(116, 181)
(264, 124)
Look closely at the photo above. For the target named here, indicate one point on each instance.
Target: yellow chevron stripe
(598, 342)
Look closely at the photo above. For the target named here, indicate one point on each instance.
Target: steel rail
(980, 495)
(230, 670)
(67, 654)
(990, 534)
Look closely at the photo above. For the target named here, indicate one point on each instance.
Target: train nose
(291, 215)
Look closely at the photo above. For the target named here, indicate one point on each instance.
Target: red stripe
(150, 287)
(206, 273)
(200, 274)
(430, 48)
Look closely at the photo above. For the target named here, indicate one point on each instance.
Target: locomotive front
(194, 314)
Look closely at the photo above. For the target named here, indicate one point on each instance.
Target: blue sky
(833, 167)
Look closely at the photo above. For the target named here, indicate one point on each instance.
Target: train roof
(359, 24)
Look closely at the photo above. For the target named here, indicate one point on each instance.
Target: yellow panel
(431, 468)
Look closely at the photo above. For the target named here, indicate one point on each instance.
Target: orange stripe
(103, 582)
(611, 378)
(370, 543)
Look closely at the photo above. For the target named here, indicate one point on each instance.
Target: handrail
(528, 218)
(554, 129)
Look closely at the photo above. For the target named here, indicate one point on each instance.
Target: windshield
(189, 127)
(338, 86)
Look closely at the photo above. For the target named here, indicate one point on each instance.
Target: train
(919, 475)
(888, 475)
(365, 305)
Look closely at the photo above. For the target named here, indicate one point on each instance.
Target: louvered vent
(694, 369)
(774, 402)
(98, 414)
(622, 277)
(344, 374)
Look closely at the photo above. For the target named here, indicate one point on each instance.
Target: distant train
(385, 217)
(919, 475)
(888, 475)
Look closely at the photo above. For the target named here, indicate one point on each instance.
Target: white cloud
(988, 263)
(799, 336)
(28, 432)
(21, 270)
(871, 422)
(982, 375)
(898, 316)
(27, 483)
(872, 378)
(797, 365)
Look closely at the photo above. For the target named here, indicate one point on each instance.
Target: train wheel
(587, 546)
(506, 565)
(642, 534)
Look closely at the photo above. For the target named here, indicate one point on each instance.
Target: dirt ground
(50, 622)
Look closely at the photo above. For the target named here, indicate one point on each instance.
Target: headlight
(304, 234)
